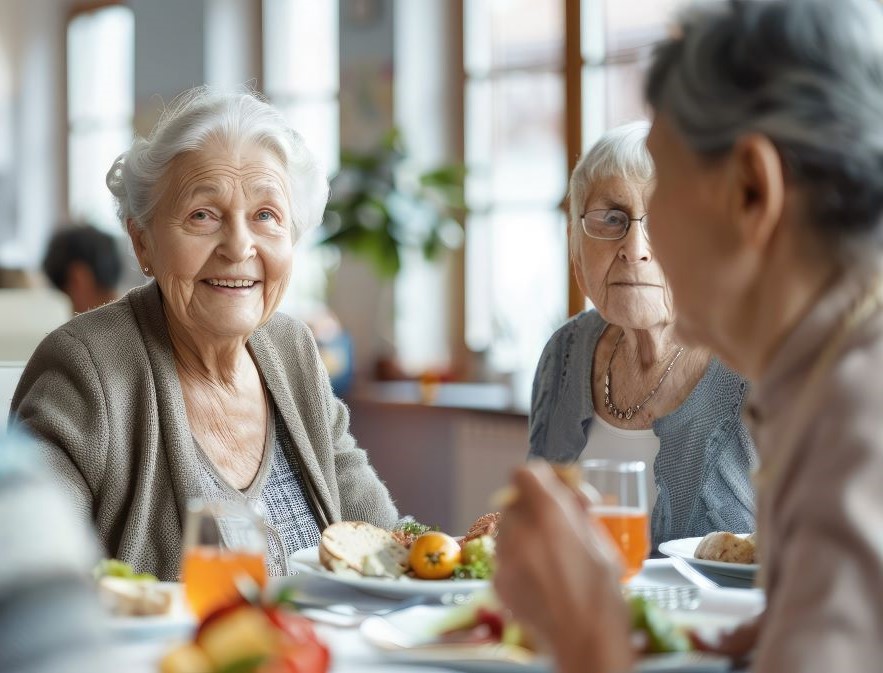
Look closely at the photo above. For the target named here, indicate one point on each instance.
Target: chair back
(26, 317)
(10, 373)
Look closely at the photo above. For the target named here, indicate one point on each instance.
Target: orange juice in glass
(224, 548)
(622, 508)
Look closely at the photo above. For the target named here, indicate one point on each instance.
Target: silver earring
(146, 270)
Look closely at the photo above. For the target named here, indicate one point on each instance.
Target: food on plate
(248, 638)
(125, 593)
(434, 555)
(408, 531)
(111, 567)
(727, 548)
(133, 598)
(485, 525)
(484, 620)
(655, 630)
(478, 559)
(358, 547)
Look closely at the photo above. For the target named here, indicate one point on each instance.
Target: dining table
(140, 650)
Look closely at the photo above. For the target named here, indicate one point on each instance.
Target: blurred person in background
(768, 221)
(615, 382)
(50, 620)
(193, 385)
(86, 265)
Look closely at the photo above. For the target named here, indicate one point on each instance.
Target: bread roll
(726, 547)
(360, 547)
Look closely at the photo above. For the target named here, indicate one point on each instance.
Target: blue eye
(200, 215)
(266, 216)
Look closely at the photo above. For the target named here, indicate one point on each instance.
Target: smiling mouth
(231, 282)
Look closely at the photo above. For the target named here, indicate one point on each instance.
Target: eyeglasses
(609, 225)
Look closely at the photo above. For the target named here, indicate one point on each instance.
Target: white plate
(306, 562)
(177, 621)
(685, 549)
(410, 635)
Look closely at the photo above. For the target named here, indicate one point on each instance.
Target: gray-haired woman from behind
(768, 221)
(615, 382)
(193, 385)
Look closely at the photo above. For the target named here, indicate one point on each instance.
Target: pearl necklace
(627, 414)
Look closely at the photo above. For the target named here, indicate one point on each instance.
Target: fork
(669, 598)
(690, 573)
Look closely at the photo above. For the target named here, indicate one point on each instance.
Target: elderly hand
(559, 575)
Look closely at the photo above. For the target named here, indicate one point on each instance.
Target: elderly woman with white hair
(193, 385)
(614, 382)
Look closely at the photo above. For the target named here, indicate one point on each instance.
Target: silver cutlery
(668, 598)
(690, 573)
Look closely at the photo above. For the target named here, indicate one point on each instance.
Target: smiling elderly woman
(614, 383)
(193, 385)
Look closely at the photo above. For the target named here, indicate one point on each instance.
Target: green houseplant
(380, 205)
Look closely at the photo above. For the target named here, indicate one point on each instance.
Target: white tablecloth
(351, 653)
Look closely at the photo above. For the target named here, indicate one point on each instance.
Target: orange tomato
(434, 556)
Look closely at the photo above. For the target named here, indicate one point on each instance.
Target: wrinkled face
(622, 278)
(220, 244)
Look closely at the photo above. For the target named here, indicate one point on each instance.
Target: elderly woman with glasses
(614, 382)
(768, 221)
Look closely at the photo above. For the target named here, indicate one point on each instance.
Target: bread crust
(346, 544)
(726, 548)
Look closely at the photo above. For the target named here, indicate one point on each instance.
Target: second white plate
(409, 635)
(685, 549)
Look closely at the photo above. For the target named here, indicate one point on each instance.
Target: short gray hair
(194, 120)
(807, 74)
(620, 153)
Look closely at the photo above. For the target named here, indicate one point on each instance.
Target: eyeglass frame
(628, 225)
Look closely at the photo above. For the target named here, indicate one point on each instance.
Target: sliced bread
(363, 548)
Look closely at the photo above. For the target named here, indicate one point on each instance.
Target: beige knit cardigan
(102, 397)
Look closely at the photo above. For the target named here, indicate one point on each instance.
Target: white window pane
(91, 154)
(638, 23)
(318, 122)
(516, 284)
(309, 276)
(100, 55)
(515, 146)
(512, 34)
(301, 47)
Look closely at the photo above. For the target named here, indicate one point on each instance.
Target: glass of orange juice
(622, 509)
(224, 547)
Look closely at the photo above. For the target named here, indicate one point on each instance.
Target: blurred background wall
(509, 90)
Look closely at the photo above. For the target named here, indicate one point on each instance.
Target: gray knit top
(705, 454)
(277, 492)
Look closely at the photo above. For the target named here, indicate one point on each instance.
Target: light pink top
(820, 508)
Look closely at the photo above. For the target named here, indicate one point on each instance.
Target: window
(100, 106)
(616, 43)
(516, 247)
(302, 79)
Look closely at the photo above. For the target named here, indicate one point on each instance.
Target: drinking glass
(225, 544)
(622, 509)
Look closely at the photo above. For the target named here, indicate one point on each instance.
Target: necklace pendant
(628, 414)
